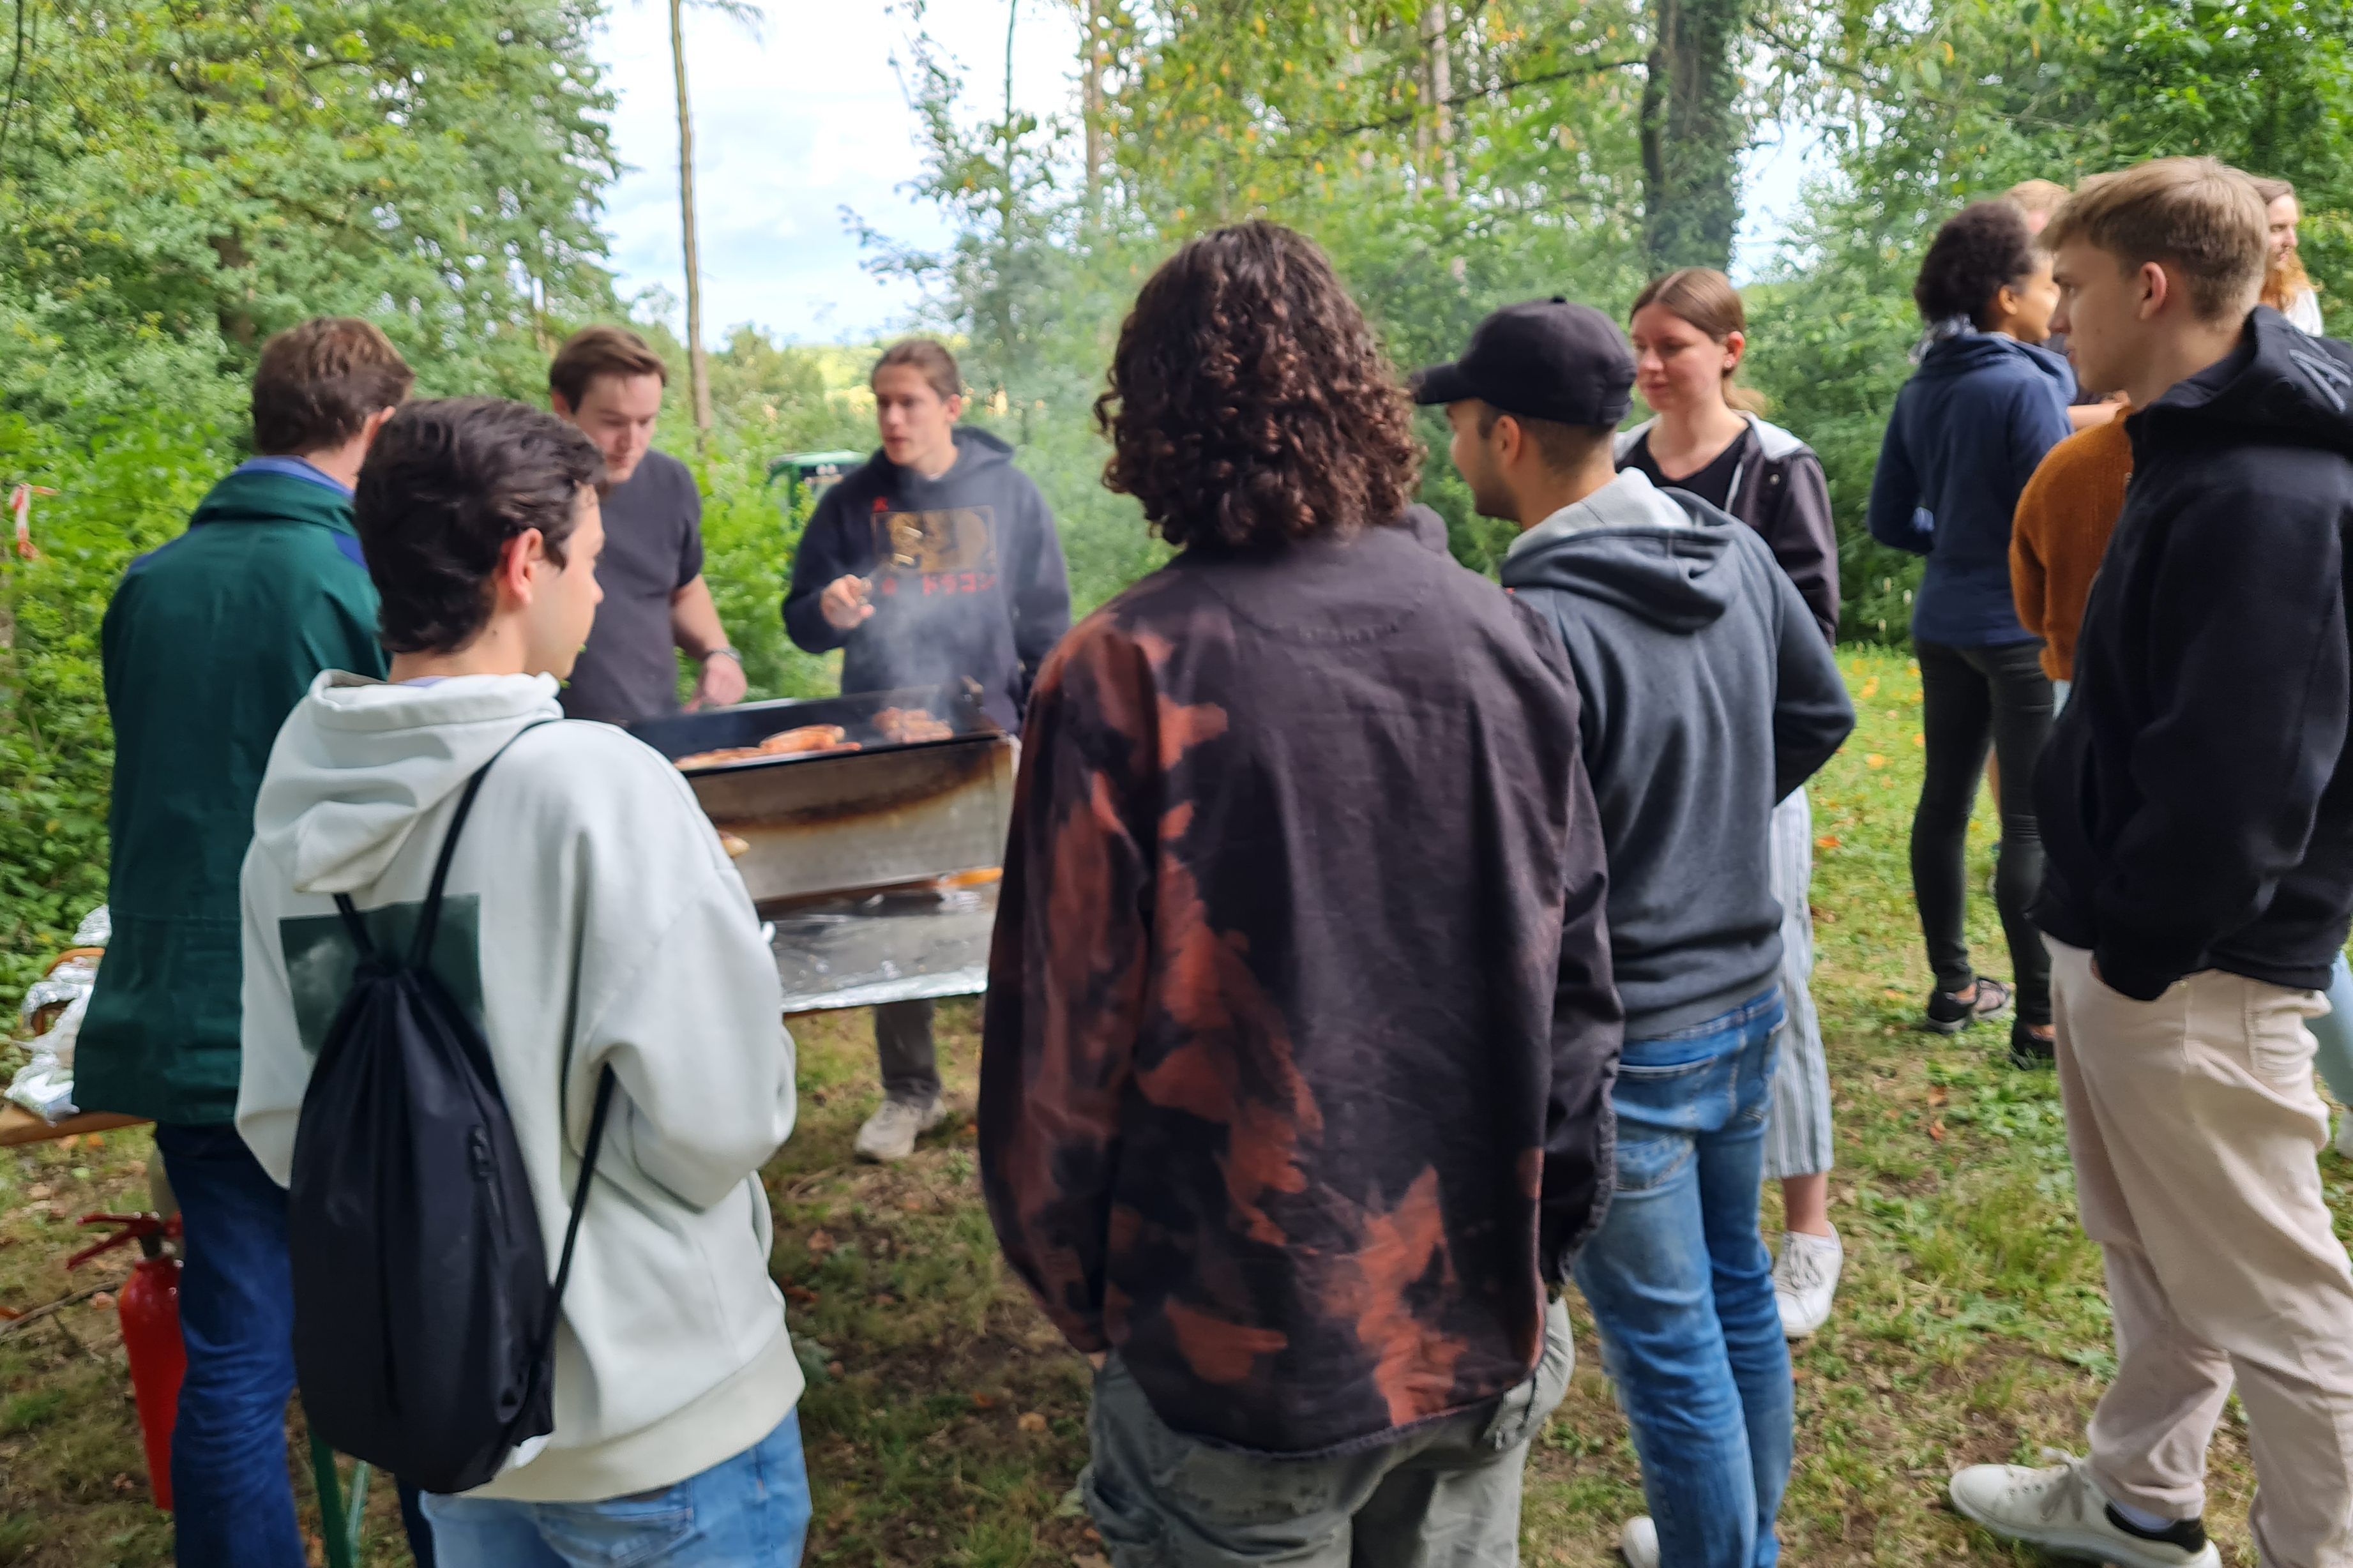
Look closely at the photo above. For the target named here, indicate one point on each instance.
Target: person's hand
(722, 684)
(844, 603)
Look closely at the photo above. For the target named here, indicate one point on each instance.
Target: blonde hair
(2199, 216)
(1706, 299)
(2284, 276)
(2037, 197)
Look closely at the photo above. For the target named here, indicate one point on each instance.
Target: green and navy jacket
(209, 643)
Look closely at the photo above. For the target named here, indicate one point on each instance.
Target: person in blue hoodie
(1707, 695)
(1969, 430)
(936, 561)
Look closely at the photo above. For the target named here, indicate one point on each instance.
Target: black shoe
(2029, 1050)
(1950, 1012)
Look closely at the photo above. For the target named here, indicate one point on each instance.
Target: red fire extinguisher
(150, 1307)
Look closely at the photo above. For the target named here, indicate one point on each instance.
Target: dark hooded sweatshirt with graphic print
(1300, 1031)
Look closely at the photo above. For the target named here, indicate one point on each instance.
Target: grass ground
(946, 1423)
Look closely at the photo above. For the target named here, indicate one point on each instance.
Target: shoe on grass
(2063, 1510)
(2030, 1051)
(1805, 1280)
(1637, 1543)
(1950, 1012)
(889, 1134)
(2343, 1142)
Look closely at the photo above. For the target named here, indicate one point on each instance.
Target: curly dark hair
(1249, 403)
(1982, 249)
(445, 487)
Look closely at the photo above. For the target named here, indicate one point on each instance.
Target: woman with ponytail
(1689, 332)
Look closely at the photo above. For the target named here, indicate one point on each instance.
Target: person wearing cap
(1708, 696)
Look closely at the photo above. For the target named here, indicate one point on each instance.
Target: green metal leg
(341, 1518)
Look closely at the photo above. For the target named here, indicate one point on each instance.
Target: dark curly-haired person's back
(1300, 1025)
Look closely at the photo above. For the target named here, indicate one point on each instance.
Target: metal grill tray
(847, 821)
(866, 950)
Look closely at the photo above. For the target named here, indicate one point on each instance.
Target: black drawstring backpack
(423, 1320)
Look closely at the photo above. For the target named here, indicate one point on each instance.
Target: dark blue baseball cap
(1544, 360)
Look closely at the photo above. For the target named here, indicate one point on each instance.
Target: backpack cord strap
(429, 920)
(546, 1344)
(356, 927)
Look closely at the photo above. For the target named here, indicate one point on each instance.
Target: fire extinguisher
(148, 1303)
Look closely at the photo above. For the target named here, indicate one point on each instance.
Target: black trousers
(1973, 698)
(902, 1042)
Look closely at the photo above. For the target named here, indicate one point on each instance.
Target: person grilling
(936, 561)
(608, 381)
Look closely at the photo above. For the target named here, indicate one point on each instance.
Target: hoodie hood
(1654, 553)
(359, 762)
(2279, 385)
(1968, 353)
(976, 449)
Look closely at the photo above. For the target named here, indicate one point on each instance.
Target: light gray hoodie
(591, 918)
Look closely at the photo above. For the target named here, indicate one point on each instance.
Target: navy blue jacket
(2195, 797)
(1969, 430)
(966, 573)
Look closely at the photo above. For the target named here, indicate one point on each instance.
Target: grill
(872, 864)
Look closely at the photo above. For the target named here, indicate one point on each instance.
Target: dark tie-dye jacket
(1300, 1027)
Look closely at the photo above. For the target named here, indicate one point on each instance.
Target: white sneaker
(890, 1134)
(1637, 1543)
(1805, 1280)
(2063, 1510)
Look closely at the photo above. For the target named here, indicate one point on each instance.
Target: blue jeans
(233, 1498)
(1682, 1290)
(2332, 1032)
(751, 1510)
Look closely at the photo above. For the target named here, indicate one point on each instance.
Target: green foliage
(127, 492)
(177, 182)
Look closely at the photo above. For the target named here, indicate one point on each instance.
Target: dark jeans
(233, 1498)
(902, 1040)
(1970, 698)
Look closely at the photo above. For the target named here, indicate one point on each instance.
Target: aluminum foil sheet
(899, 946)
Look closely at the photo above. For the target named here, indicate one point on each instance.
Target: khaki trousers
(2195, 1130)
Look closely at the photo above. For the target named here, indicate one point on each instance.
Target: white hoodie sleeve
(276, 1068)
(696, 1038)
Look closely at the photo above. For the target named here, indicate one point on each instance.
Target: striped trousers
(1798, 1126)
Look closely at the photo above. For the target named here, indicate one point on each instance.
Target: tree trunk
(1439, 91)
(236, 322)
(1693, 132)
(697, 369)
(1094, 63)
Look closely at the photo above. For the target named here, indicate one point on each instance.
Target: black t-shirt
(653, 547)
(1712, 484)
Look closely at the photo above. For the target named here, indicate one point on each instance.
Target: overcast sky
(810, 116)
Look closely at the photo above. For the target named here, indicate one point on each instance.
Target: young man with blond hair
(2198, 822)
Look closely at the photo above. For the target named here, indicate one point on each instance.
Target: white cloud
(790, 128)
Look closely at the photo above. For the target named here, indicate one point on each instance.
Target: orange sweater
(2064, 517)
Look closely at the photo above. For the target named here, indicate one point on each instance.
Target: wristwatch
(721, 653)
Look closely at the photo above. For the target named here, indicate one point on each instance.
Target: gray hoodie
(1708, 696)
(591, 921)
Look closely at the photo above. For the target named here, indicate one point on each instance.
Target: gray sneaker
(2063, 1510)
(1637, 1543)
(889, 1134)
